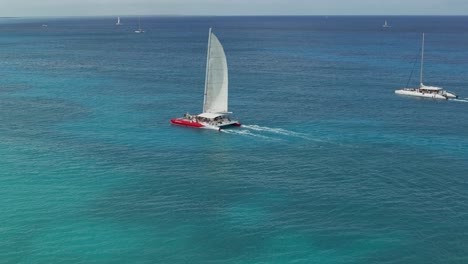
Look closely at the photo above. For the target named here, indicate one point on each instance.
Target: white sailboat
(118, 22)
(386, 25)
(139, 30)
(215, 104)
(423, 90)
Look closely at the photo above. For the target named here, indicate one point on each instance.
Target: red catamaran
(215, 106)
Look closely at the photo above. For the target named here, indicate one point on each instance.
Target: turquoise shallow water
(330, 167)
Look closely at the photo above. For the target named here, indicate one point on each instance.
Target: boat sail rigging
(139, 30)
(423, 90)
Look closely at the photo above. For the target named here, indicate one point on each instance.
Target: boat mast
(207, 68)
(422, 61)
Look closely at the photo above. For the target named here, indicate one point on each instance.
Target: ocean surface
(330, 166)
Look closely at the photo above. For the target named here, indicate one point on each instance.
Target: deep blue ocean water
(330, 167)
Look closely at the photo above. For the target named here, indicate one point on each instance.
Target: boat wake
(245, 132)
(278, 131)
(464, 100)
(263, 132)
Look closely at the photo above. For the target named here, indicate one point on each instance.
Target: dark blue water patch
(30, 117)
(12, 88)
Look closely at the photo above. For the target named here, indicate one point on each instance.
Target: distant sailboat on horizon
(386, 25)
(139, 30)
(118, 22)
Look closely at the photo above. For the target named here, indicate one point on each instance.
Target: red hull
(189, 123)
(184, 122)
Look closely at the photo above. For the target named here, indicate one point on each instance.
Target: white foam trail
(269, 133)
(278, 131)
(460, 100)
(244, 132)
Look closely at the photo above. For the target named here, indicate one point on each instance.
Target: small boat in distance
(139, 30)
(215, 104)
(423, 90)
(118, 22)
(386, 25)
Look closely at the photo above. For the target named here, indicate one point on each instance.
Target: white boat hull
(219, 126)
(421, 94)
(451, 95)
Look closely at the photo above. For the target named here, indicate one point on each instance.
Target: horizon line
(187, 15)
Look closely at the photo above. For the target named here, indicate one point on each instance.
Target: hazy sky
(231, 7)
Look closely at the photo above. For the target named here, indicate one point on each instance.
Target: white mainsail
(216, 80)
